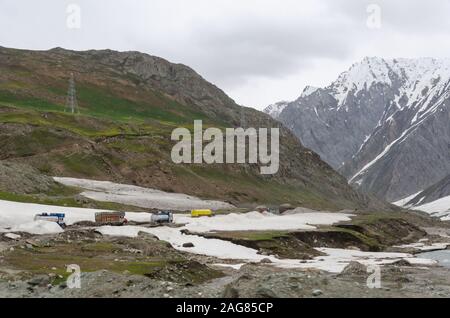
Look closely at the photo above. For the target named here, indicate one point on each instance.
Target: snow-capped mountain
(275, 110)
(384, 123)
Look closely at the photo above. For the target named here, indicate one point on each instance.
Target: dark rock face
(384, 124)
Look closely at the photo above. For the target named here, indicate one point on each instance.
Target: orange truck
(110, 218)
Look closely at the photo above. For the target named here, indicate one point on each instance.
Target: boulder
(402, 262)
(41, 280)
(354, 268)
(266, 261)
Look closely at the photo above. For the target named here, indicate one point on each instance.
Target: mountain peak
(309, 90)
(411, 75)
(274, 110)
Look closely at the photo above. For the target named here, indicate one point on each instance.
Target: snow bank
(38, 228)
(403, 202)
(423, 247)
(12, 236)
(255, 221)
(439, 208)
(202, 246)
(19, 217)
(335, 260)
(141, 197)
(14, 215)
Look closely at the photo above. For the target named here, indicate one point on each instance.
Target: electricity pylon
(71, 100)
(243, 118)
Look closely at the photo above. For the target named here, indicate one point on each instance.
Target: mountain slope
(381, 124)
(434, 200)
(130, 102)
(439, 190)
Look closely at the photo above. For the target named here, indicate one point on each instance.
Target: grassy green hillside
(129, 105)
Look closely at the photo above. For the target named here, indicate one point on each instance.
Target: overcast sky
(258, 51)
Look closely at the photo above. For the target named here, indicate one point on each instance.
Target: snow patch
(309, 90)
(255, 221)
(12, 236)
(38, 228)
(423, 247)
(19, 217)
(403, 202)
(142, 197)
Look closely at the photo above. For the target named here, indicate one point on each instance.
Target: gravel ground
(251, 281)
(259, 280)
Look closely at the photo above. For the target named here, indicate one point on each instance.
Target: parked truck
(110, 218)
(52, 217)
(162, 217)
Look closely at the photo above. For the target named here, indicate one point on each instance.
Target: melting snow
(439, 208)
(18, 217)
(335, 260)
(255, 221)
(142, 197)
(423, 247)
(403, 202)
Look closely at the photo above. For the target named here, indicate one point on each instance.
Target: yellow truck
(200, 213)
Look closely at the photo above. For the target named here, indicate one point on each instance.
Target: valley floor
(302, 253)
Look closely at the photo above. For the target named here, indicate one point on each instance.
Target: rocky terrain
(381, 124)
(35, 266)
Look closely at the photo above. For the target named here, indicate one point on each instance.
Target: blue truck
(52, 217)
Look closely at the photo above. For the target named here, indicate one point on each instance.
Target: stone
(354, 268)
(402, 262)
(41, 280)
(266, 261)
(188, 245)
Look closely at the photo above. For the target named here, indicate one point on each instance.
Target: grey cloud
(235, 44)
